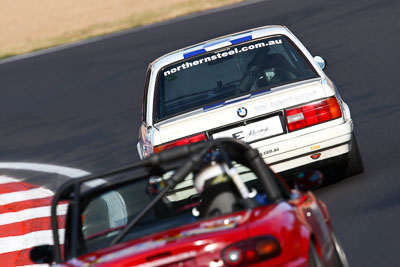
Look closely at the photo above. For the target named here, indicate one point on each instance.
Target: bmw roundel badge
(242, 112)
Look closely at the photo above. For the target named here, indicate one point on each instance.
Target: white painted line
(17, 243)
(48, 168)
(28, 214)
(36, 193)
(6, 179)
(70, 172)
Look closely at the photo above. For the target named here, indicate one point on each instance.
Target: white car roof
(219, 42)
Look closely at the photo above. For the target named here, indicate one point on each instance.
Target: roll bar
(192, 156)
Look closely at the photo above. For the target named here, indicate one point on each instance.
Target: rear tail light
(181, 142)
(251, 251)
(313, 113)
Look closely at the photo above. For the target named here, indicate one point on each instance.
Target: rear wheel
(313, 257)
(346, 167)
(339, 257)
(355, 164)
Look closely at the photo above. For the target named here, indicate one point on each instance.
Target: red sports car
(208, 204)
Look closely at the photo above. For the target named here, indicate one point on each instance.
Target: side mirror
(42, 254)
(321, 62)
(309, 180)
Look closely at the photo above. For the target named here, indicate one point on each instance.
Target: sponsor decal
(286, 101)
(269, 151)
(312, 148)
(257, 133)
(255, 130)
(252, 134)
(238, 135)
(217, 56)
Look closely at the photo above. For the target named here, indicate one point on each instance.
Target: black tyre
(339, 257)
(355, 164)
(348, 166)
(313, 257)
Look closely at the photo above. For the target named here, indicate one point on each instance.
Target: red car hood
(198, 243)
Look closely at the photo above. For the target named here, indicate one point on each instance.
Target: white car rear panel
(260, 105)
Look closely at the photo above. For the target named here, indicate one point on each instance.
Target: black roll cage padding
(193, 154)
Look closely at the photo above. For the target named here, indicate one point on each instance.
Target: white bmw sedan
(261, 86)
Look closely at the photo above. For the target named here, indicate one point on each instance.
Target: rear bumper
(327, 145)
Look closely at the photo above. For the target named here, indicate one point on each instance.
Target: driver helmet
(212, 174)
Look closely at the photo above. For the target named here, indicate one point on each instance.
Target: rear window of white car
(211, 78)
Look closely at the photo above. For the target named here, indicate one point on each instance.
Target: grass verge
(152, 16)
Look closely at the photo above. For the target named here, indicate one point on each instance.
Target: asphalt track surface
(80, 107)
